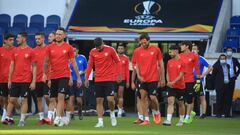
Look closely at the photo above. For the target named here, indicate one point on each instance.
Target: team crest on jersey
(2, 55)
(106, 54)
(52, 51)
(152, 53)
(80, 61)
(189, 59)
(179, 66)
(123, 61)
(15, 54)
(64, 51)
(26, 55)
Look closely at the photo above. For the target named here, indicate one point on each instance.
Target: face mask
(229, 53)
(223, 62)
(195, 51)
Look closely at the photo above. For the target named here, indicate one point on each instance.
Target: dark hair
(75, 46)
(187, 43)
(193, 44)
(144, 36)
(98, 42)
(40, 34)
(174, 47)
(222, 55)
(7, 36)
(23, 34)
(53, 32)
(229, 48)
(61, 29)
(124, 45)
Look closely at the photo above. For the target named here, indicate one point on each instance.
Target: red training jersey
(40, 54)
(190, 61)
(174, 68)
(59, 58)
(5, 60)
(23, 59)
(147, 61)
(103, 62)
(125, 67)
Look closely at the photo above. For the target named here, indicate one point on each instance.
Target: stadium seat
(5, 21)
(32, 30)
(37, 21)
(20, 21)
(235, 22)
(234, 44)
(1, 36)
(233, 34)
(15, 30)
(53, 21)
(31, 41)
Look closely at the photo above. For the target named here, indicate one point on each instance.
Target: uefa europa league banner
(145, 15)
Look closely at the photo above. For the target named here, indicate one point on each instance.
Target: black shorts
(59, 85)
(201, 92)
(104, 89)
(122, 83)
(4, 91)
(150, 87)
(189, 92)
(19, 89)
(75, 91)
(41, 89)
(137, 91)
(177, 93)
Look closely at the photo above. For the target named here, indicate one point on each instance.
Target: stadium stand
(37, 21)
(20, 21)
(1, 36)
(53, 21)
(5, 21)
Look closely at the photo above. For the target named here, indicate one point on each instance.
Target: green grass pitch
(209, 126)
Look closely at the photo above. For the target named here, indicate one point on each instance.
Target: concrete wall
(236, 7)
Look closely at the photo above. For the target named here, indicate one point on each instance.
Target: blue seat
(1, 36)
(21, 21)
(32, 30)
(235, 22)
(53, 21)
(234, 44)
(31, 41)
(37, 21)
(233, 34)
(15, 30)
(5, 21)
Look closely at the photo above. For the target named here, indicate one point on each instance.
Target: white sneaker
(61, 123)
(99, 125)
(167, 123)
(113, 121)
(179, 124)
(119, 113)
(56, 122)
